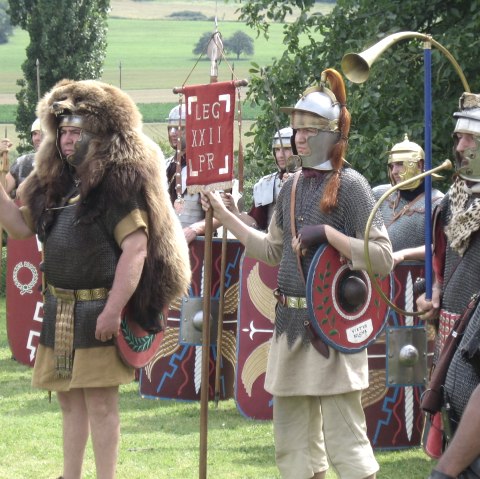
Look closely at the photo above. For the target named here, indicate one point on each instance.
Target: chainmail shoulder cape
(354, 204)
(22, 167)
(461, 278)
(121, 162)
(461, 281)
(404, 220)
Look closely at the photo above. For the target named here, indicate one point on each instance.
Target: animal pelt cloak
(120, 162)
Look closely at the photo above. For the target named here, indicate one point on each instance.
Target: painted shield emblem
(175, 370)
(346, 310)
(24, 298)
(136, 346)
(256, 316)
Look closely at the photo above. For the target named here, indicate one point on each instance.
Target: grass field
(154, 54)
(159, 439)
(155, 51)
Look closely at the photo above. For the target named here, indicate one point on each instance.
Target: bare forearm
(465, 446)
(11, 218)
(128, 271)
(234, 224)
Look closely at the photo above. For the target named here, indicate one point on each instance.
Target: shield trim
(369, 329)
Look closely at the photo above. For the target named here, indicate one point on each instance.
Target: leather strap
(316, 341)
(292, 220)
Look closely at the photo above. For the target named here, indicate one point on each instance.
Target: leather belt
(299, 302)
(296, 302)
(79, 294)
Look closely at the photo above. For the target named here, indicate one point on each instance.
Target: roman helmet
(412, 157)
(36, 134)
(468, 121)
(82, 144)
(176, 119)
(281, 140)
(35, 126)
(319, 109)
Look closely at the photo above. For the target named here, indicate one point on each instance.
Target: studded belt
(78, 294)
(295, 302)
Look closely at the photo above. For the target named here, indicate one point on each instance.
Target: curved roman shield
(346, 310)
(24, 301)
(175, 370)
(392, 409)
(136, 346)
(256, 315)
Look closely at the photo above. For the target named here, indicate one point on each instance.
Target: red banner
(209, 134)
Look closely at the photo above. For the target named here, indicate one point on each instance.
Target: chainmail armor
(462, 376)
(404, 220)
(461, 281)
(80, 255)
(22, 167)
(355, 202)
(461, 278)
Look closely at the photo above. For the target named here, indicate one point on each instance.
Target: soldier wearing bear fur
(97, 200)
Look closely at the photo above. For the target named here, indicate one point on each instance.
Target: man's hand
(430, 309)
(230, 204)
(308, 236)
(190, 233)
(312, 235)
(5, 145)
(108, 326)
(398, 257)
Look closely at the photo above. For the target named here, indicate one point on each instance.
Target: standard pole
(427, 56)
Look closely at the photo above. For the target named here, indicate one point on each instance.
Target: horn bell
(356, 66)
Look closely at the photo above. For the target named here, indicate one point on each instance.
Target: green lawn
(153, 54)
(160, 439)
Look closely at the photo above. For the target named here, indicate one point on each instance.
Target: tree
(68, 39)
(6, 29)
(201, 46)
(391, 102)
(239, 43)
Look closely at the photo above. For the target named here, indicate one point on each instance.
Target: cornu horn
(356, 66)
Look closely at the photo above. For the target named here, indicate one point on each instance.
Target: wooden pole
(37, 64)
(207, 286)
(3, 173)
(215, 52)
(221, 308)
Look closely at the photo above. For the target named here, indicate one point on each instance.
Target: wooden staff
(214, 52)
(37, 64)
(223, 266)
(3, 173)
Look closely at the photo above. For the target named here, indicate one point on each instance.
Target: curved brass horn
(446, 165)
(356, 66)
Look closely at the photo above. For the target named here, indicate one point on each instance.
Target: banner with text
(209, 136)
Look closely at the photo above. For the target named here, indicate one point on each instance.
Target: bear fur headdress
(120, 162)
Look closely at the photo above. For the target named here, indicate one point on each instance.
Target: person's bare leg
(102, 406)
(75, 431)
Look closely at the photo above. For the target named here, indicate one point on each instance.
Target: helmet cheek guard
(411, 156)
(318, 109)
(82, 144)
(176, 119)
(468, 122)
